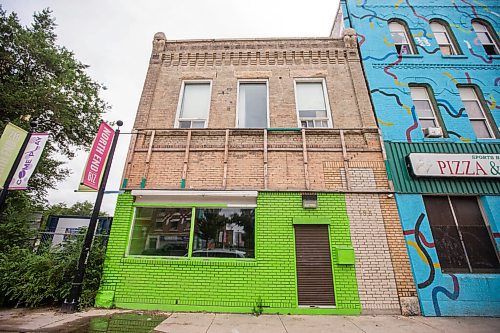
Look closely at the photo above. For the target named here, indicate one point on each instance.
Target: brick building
(433, 72)
(256, 179)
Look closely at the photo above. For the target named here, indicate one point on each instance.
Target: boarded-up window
(463, 242)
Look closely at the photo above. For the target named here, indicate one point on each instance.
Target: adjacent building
(256, 181)
(433, 74)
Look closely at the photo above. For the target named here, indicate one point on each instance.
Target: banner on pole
(10, 143)
(28, 162)
(92, 173)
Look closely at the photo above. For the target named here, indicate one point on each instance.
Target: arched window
(486, 36)
(444, 38)
(401, 37)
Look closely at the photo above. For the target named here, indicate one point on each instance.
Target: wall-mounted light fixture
(309, 201)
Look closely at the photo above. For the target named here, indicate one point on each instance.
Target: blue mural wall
(389, 77)
(389, 74)
(442, 294)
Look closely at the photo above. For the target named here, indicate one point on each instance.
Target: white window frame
(447, 34)
(407, 33)
(181, 97)
(430, 101)
(266, 81)
(484, 118)
(325, 96)
(488, 33)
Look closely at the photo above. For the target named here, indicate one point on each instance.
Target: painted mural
(443, 294)
(389, 76)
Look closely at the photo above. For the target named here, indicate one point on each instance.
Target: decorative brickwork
(281, 161)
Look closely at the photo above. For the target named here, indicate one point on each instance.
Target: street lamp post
(71, 304)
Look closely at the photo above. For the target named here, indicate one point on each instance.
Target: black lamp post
(71, 304)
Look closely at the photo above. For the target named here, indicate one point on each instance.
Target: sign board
(28, 162)
(10, 143)
(61, 228)
(454, 165)
(92, 173)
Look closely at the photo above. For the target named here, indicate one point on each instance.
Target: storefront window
(161, 232)
(224, 233)
(463, 242)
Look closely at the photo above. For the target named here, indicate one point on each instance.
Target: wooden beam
(304, 153)
(346, 160)
(226, 153)
(186, 156)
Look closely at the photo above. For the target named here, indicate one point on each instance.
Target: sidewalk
(50, 320)
(236, 323)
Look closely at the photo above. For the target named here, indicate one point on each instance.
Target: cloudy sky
(114, 38)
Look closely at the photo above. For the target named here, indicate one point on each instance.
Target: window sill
(410, 56)
(167, 261)
(441, 139)
(492, 140)
(456, 56)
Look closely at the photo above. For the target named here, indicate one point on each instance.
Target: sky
(115, 37)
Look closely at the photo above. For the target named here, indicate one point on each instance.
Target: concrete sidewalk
(34, 320)
(51, 320)
(237, 323)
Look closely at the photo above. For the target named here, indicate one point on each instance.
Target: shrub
(44, 278)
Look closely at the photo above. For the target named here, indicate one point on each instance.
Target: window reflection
(224, 233)
(161, 232)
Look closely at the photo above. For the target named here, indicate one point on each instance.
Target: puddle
(118, 323)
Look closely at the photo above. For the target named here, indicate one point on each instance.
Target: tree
(80, 208)
(44, 81)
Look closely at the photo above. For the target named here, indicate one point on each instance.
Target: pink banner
(98, 155)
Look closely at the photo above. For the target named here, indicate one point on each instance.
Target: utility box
(345, 255)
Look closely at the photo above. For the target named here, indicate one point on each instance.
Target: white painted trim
(181, 96)
(177, 193)
(325, 96)
(241, 205)
(266, 81)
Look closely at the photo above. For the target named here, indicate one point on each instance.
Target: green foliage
(15, 228)
(258, 308)
(44, 81)
(80, 208)
(83, 208)
(44, 278)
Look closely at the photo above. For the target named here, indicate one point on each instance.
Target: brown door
(314, 265)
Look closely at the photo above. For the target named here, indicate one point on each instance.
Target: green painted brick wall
(229, 285)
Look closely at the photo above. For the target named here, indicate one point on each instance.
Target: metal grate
(314, 265)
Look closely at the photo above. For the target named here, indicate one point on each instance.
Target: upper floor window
(476, 112)
(194, 105)
(424, 106)
(400, 36)
(462, 239)
(252, 104)
(487, 37)
(312, 104)
(444, 38)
